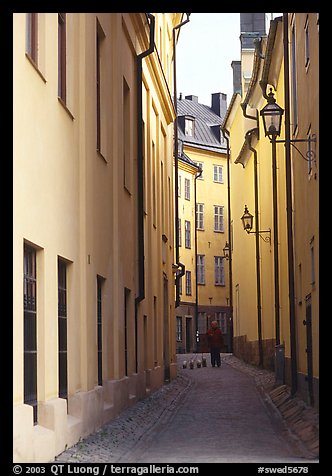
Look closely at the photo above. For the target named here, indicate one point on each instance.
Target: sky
(206, 47)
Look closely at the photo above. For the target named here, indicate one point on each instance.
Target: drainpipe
(230, 264)
(196, 273)
(248, 137)
(140, 177)
(290, 245)
(180, 266)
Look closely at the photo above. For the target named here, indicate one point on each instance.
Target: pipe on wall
(248, 138)
(181, 266)
(140, 177)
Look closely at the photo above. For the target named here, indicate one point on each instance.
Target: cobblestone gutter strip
(119, 436)
(301, 419)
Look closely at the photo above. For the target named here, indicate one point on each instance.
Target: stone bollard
(204, 361)
(199, 364)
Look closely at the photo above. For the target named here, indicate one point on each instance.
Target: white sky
(206, 47)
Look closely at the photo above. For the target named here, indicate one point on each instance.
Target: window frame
(219, 271)
(218, 219)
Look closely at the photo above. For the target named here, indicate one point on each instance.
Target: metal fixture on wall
(247, 221)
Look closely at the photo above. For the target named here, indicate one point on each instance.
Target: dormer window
(189, 126)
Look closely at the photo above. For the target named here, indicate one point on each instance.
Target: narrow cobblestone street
(205, 415)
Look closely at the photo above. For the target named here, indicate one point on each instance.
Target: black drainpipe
(290, 242)
(258, 272)
(180, 266)
(226, 135)
(140, 177)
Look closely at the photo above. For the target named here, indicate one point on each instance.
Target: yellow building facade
(93, 300)
(203, 222)
(273, 326)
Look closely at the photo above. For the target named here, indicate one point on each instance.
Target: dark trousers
(215, 357)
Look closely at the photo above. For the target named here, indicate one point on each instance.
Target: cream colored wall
(70, 201)
(187, 212)
(306, 190)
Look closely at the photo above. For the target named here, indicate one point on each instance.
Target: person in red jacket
(215, 341)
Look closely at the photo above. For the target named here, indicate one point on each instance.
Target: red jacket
(215, 338)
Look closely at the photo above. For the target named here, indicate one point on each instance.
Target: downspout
(230, 264)
(196, 273)
(258, 273)
(290, 244)
(180, 266)
(140, 177)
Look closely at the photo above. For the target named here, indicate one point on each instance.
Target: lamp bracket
(267, 239)
(310, 154)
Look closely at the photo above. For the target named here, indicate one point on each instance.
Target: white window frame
(189, 127)
(200, 269)
(219, 271)
(187, 189)
(188, 283)
(200, 216)
(187, 238)
(218, 174)
(218, 218)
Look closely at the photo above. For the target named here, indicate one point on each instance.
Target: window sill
(66, 108)
(35, 66)
(101, 156)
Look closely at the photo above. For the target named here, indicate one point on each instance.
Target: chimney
(236, 65)
(191, 97)
(219, 103)
(252, 26)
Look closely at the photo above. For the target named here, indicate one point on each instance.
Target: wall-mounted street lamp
(247, 221)
(271, 115)
(226, 250)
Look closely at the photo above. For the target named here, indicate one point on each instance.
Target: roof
(206, 130)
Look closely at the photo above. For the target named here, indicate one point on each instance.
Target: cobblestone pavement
(205, 415)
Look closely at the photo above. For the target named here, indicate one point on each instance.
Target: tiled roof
(205, 119)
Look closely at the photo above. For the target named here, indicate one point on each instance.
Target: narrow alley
(205, 415)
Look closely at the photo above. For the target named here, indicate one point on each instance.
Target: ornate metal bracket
(267, 239)
(310, 154)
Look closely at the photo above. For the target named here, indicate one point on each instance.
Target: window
(200, 216)
(200, 269)
(294, 80)
(100, 86)
(218, 218)
(62, 328)
(62, 93)
(202, 324)
(217, 173)
(180, 284)
(32, 36)
(30, 329)
(311, 151)
(188, 283)
(127, 165)
(178, 328)
(306, 43)
(187, 234)
(219, 271)
(189, 127)
(99, 330)
(221, 318)
(126, 310)
(179, 186)
(312, 260)
(187, 189)
(180, 234)
(200, 165)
